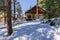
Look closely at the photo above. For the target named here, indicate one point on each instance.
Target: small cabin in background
(4, 17)
(31, 13)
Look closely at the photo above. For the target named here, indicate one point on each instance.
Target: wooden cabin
(31, 13)
(3, 18)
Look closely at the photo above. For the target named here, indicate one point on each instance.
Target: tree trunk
(8, 11)
(14, 10)
(37, 10)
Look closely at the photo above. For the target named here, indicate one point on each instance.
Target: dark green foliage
(52, 8)
(2, 5)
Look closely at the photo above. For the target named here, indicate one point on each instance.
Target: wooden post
(8, 11)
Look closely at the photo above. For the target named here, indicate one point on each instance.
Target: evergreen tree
(52, 7)
(8, 11)
(18, 9)
(14, 8)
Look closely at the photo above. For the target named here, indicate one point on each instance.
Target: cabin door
(29, 16)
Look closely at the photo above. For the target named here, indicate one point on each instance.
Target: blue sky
(25, 4)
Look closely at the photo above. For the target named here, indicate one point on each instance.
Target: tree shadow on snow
(31, 31)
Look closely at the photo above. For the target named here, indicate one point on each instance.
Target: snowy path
(32, 31)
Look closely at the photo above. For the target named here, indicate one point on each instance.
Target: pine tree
(14, 9)
(52, 7)
(8, 11)
(18, 9)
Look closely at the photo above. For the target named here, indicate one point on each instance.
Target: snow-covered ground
(2, 25)
(32, 30)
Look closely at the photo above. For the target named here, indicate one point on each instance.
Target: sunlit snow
(33, 30)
